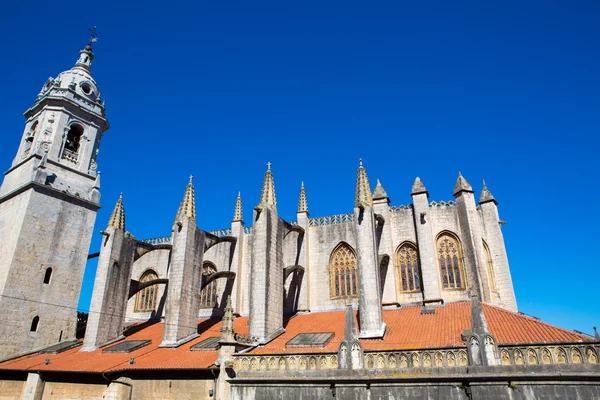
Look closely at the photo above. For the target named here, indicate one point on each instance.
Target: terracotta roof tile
(407, 329)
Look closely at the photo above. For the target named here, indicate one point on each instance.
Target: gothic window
(407, 262)
(208, 296)
(490, 268)
(29, 138)
(343, 272)
(146, 298)
(451, 261)
(72, 143)
(48, 275)
(34, 324)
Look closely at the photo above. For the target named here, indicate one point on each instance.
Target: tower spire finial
(237, 214)
(363, 191)
(187, 208)
(379, 192)
(86, 56)
(267, 196)
(302, 202)
(117, 218)
(462, 185)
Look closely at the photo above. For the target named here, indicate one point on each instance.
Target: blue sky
(509, 91)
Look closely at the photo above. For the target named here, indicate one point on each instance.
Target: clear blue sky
(216, 89)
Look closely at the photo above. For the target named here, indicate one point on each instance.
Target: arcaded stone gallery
(383, 301)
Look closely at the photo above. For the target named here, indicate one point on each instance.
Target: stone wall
(41, 229)
(11, 390)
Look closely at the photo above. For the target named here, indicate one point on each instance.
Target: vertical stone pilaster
(266, 275)
(185, 273)
(425, 242)
(369, 300)
(33, 388)
(111, 289)
(495, 240)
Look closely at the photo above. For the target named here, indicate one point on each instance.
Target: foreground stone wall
(11, 390)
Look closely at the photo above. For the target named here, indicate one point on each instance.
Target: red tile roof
(406, 329)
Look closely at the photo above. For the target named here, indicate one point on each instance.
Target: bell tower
(48, 204)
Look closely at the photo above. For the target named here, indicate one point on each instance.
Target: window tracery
(146, 298)
(343, 272)
(451, 261)
(407, 262)
(208, 296)
(490, 268)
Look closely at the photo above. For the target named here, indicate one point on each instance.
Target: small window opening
(32, 131)
(48, 275)
(34, 324)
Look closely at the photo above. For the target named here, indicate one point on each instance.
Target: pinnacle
(462, 185)
(486, 196)
(187, 208)
(237, 214)
(418, 187)
(267, 196)
(302, 202)
(117, 218)
(363, 191)
(379, 192)
(227, 331)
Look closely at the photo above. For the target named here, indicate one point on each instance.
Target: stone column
(304, 300)
(111, 289)
(185, 274)
(425, 242)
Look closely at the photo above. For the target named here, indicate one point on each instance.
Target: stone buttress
(495, 242)
(369, 300)
(185, 273)
(266, 271)
(425, 241)
(111, 286)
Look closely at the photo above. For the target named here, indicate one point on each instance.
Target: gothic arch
(406, 261)
(145, 299)
(490, 268)
(450, 261)
(343, 272)
(208, 295)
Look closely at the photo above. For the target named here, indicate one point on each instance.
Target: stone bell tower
(48, 203)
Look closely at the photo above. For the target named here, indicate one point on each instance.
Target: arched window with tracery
(146, 298)
(407, 262)
(208, 296)
(343, 267)
(490, 268)
(451, 261)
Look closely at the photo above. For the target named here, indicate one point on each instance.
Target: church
(382, 302)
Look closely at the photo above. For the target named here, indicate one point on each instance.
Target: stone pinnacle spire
(237, 214)
(227, 332)
(486, 196)
(462, 185)
(187, 208)
(302, 203)
(418, 187)
(379, 192)
(117, 218)
(363, 191)
(267, 196)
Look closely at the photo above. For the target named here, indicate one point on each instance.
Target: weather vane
(93, 35)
